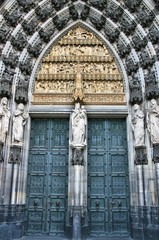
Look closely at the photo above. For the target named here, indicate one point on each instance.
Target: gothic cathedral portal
(78, 165)
(79, 119)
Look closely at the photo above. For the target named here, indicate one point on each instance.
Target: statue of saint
(78, 92)
(153, 121)
(78, 121)
(138, 126)
(4, 119)
(19, 120)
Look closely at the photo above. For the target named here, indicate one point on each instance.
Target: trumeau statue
(78, 122)
(138, 126)
(4, 119)
(153, 121)
(19, 120)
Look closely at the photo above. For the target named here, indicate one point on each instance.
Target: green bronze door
(47, 177)
(108, 186)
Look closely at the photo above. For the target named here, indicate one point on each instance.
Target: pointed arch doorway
(78, 66)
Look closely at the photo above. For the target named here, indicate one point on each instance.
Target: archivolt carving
(79, 65)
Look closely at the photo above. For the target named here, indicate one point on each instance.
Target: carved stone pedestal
(140, 155)
(156, 153)
(78, 156)
(77, 223)
(1, 152)
(15, 155)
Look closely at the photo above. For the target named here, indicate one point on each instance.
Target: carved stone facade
(79, 58)
(96, 60)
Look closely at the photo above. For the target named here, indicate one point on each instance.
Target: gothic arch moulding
(130, 27)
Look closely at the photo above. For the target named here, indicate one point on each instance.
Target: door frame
(92, 111)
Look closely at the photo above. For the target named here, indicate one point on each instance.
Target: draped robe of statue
(79, 126)
(19, 120)
(153, 121)
(4, 119)
(138, 126)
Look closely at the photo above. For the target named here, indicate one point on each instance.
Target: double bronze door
(108, 192)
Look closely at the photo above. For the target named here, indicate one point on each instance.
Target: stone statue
(78, 93)
(153, 121)
(138, 126)
(4, 119)
(78, 122)
(19, 120)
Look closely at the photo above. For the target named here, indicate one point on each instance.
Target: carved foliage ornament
(145, 18)
(123, 50)
(112, 34)
(133, 5)
(151, 88)
(44, 13)
(58, 4)
(146, 60)
(138, 43)
(26, 67)
(100, 4)
(13, 18)
(4, 30)
(10, 60)
(46, 34)
(154, 34)
(19, 42)
(114, 12)
(21, 95)
(6, 82)
(98, 23)
(34, 50)
(60, 23)
(26, 4)
(29, 27)
(131, 66)
(126, 26)
(135, 89)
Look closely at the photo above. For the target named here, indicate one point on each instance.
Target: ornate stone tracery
(80, 64)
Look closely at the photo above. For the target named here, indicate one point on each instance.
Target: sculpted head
(4, 101)
(20, 107)
(136, 107)
(77, 106)
(153, 103)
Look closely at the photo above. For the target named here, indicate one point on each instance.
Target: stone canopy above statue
(79, 67)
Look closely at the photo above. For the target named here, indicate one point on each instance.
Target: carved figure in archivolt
(153, 121)
(4, 119)
(78, 122)
(138, 126)
(19, 120)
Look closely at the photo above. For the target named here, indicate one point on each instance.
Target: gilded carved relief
(79, 67)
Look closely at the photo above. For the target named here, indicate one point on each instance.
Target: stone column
(77, 204)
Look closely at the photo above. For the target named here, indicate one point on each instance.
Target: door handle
(58, 204)
(97, 203)
(119, 203)
(113, 203)
(36, 203)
